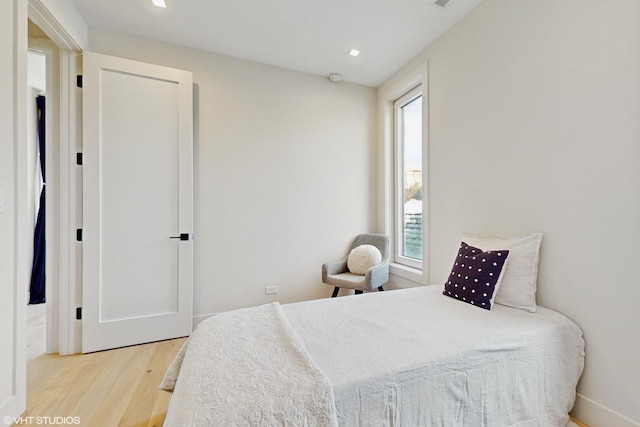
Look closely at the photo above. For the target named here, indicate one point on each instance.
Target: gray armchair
(337, 274)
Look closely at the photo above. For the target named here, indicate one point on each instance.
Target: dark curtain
(37, 287)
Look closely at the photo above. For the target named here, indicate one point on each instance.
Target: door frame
(66, 292)
(70, 268)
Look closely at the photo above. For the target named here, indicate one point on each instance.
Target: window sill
(410, 273)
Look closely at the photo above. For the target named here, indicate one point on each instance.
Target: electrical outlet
(270, 290)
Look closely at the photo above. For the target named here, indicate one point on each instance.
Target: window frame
(398, 179)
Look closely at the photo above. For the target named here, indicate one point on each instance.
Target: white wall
(13, 38)
(6, 187)
(535, 126)
(37, 70)
(283, 162)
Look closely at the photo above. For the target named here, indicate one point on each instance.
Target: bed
(411, 357)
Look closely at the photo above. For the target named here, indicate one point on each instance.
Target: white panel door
(137, 202)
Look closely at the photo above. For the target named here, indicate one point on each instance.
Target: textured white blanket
(247, 368)
(415, 357)
(404, 358)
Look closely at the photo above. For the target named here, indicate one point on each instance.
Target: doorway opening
(39, 43)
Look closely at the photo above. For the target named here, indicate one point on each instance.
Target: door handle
(182, 236)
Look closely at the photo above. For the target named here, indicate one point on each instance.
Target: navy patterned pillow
(476, 275)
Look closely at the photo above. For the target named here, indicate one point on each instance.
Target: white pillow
(519, 284)
(362, 258)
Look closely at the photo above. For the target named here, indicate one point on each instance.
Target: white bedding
(247, 368)
(418, 358)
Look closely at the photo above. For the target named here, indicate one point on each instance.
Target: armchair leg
(380, 288)
(335, 292)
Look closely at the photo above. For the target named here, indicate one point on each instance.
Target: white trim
(426, 218)
(386, 205)
(65, 253)
(594, 414)
(415, 275)
(43, 18)
(70, 214)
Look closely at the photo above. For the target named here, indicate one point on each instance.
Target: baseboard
(11, 409)
(596, 415)
(201, 318)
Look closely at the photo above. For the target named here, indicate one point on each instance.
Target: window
(408, 179)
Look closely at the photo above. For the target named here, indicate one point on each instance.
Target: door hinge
(78, 313)
(79, 234)
(79, 80)
(79, 159)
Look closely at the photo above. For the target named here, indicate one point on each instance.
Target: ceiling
(313, 36)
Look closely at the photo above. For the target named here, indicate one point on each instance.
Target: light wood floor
(104, 389)
(580, 423)
(108, 388)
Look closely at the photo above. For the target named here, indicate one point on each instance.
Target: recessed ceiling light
(354, 52)
(159, 3)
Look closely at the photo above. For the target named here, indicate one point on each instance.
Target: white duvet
(246, 368)
(408, 358)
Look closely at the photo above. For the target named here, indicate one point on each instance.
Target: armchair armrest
(334, 267)
(376, 276)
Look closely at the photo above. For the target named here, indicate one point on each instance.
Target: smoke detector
(440, 3)
(335, 77)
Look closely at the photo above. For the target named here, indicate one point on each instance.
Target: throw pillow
(475, 276)
(362, 258)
